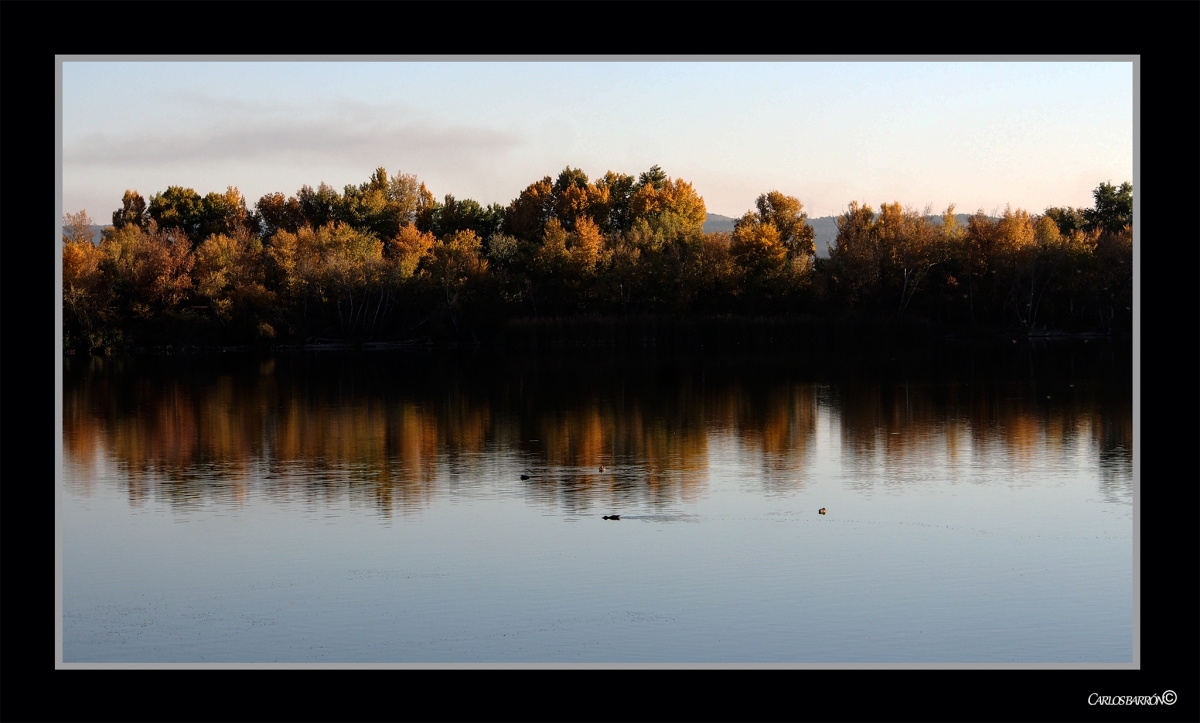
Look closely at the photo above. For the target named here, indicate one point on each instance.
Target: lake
(370, 507)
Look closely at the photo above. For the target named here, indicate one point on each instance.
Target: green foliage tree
(614, 192)
(1113, 210)
(320, 207)
(179, 208)
(132, 211)
(224, 213)
(1069, 220)
(654, 178)
(451, 216)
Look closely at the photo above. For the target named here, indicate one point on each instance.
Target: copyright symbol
(1169, 697)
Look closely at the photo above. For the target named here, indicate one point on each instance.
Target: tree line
(385, 260)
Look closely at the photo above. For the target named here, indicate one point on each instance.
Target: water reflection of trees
(394, 431)
(887, 430)
(1004, 407)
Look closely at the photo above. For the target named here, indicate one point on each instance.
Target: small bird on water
(821, 511)
(524, 476)
(602, 468)
(612, 517)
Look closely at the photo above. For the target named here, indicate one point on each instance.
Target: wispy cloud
(231, 130)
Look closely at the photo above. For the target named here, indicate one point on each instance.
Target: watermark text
(1167, 697)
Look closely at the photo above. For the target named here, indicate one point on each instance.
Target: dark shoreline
(562, 342)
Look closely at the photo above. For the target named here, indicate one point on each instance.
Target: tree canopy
(384, 260)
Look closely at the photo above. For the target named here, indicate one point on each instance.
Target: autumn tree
(910, 246)
(787, 215)
(82, 284)
(225, 213)
(666, 225)
(567, 264)
(76, 228)
(278, 212)
(335, 272)
(855, 256)
(408, 250)
(230, 273)
(149, 269)
(382, 205)
(757, 247)
(350, 263)
(773, 247)
(1013, 239)
(976, 253)
(664, 200)
(528, 213)
(710, 275)
(458, 266)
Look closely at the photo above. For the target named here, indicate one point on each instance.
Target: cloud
(226, 130)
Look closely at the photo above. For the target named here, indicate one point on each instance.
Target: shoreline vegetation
(620, 261)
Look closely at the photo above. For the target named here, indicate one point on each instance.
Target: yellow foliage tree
(457, 262)
(408, 249)
(230, 273)
(81, 277)
(677, 198)
(756, 246)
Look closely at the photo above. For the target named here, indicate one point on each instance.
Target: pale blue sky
(981, 135)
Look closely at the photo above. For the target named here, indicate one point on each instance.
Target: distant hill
(824, 228)
(714, 222)
(96, 233)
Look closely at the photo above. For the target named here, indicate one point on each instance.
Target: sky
(981, 135)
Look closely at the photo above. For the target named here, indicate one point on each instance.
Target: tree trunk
(971, 295)
(375, 319)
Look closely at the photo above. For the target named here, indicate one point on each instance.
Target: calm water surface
(341, 507)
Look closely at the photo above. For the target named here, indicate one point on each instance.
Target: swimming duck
(612, 517)
(602, 468)
(524, 476)
(821, 511)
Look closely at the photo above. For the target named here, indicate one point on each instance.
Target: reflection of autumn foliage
(397, 430)
(782, 423)
(894, 423)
